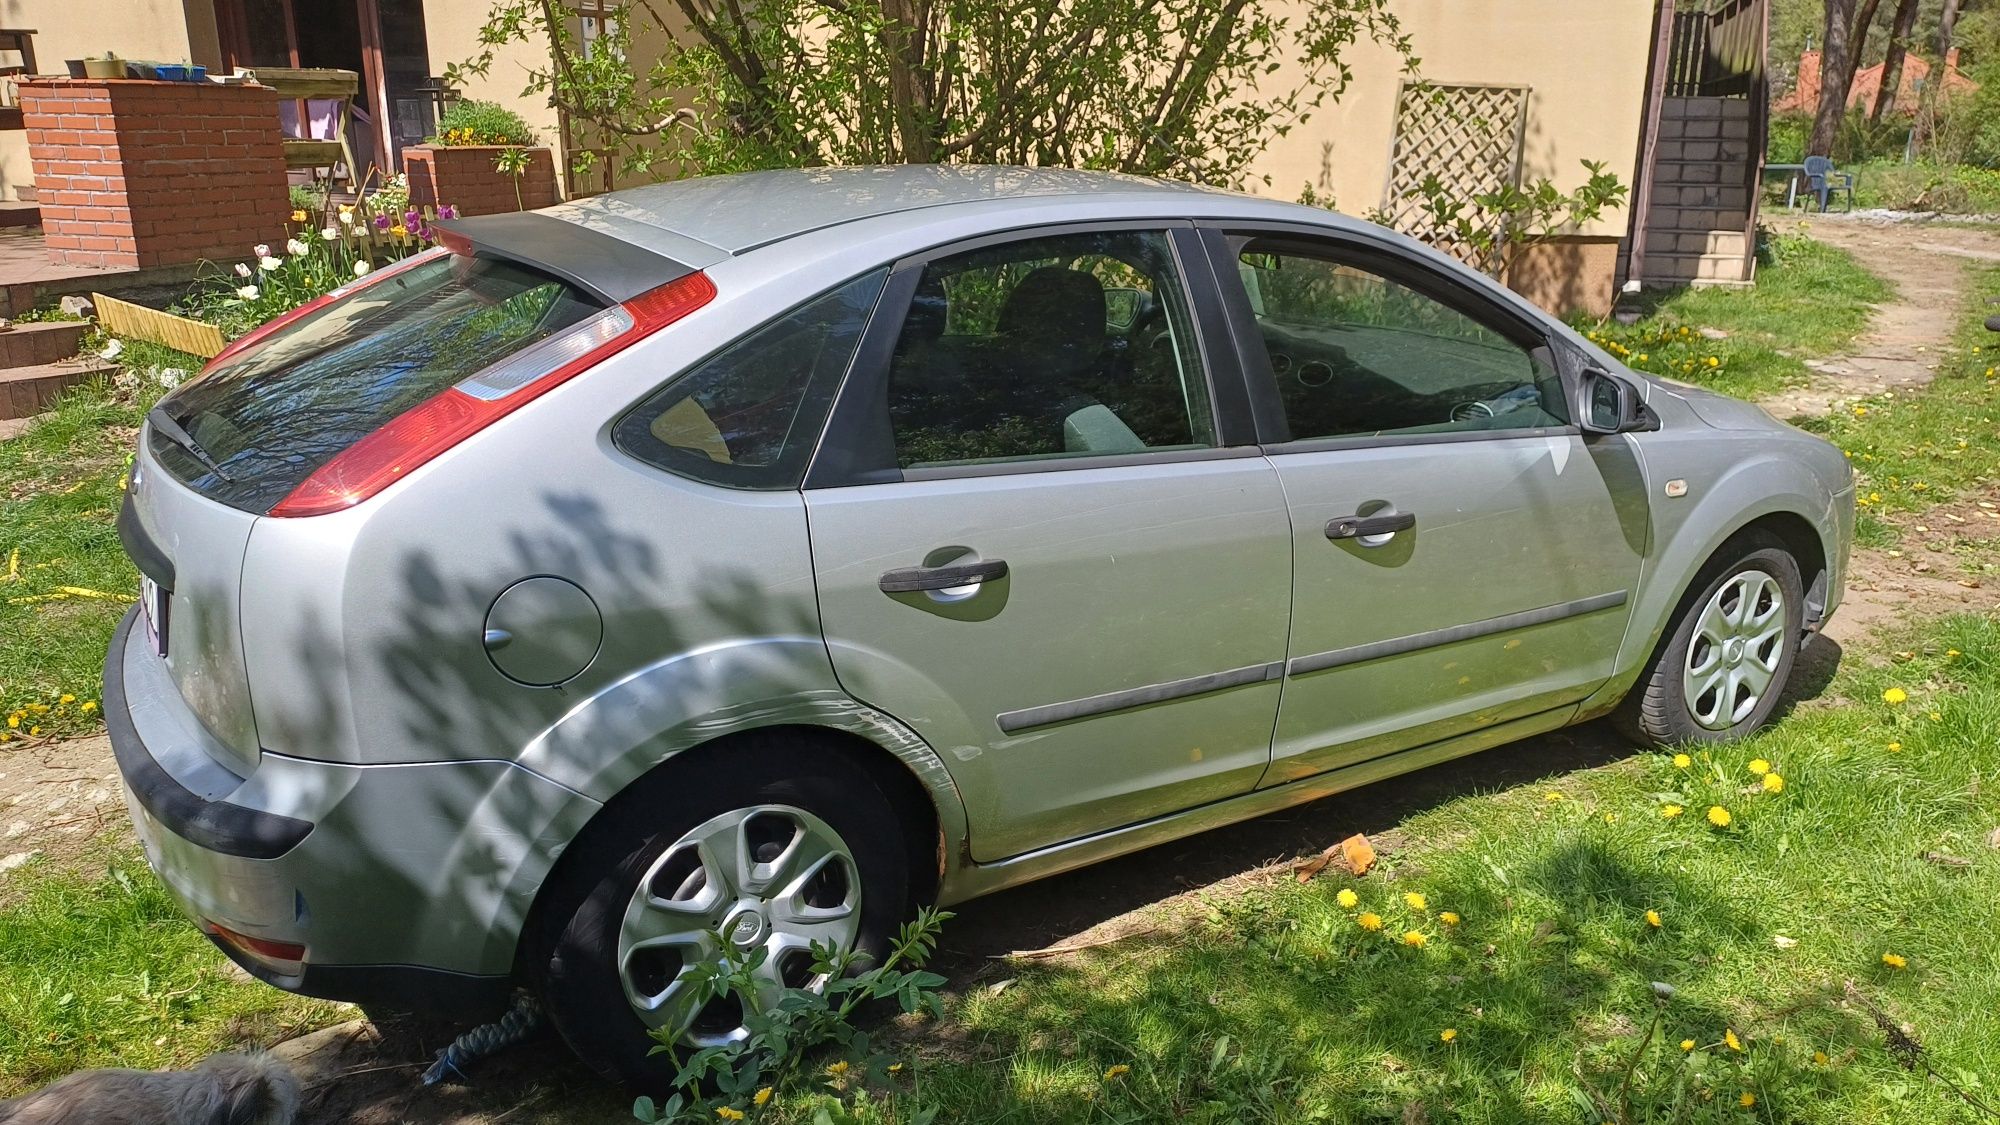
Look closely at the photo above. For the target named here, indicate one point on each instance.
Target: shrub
(482, 123)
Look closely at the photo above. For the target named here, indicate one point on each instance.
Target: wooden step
(20, 213)
(46, 341)
(27, 391)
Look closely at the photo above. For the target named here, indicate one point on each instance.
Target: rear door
(1036, 543)
(1462, 555)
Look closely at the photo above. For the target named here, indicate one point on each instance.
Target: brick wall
(464, 177)
(134, 174)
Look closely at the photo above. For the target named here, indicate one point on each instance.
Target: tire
(771, 785)
(1659, 711)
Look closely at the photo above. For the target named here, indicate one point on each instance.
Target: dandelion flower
(1718, 816)
(1415, 939)
(763, 1096)
(1759, 766)
(1347, 899)
(1653, 918)
(1682, 761)
(1416, 902)
(1552, 796)
(1116, 1072)
(1895, 695)
(1448, 1034)
(33, 731)
(1729, 1037)
(1671, 811)
(837, 1070)
(1687, 1044)
(1895, 747)
(1747, 1100)
(1773, 783)
(1370, 921)
(66, 698)
(1894, 961)
(728, 1113)
(1819, 1058)
(1448, 918)
(89, 705)
(1936, 716)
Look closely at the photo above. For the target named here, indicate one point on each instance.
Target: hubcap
(1733, 658)
(771, 878)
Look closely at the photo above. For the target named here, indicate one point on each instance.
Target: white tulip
(295, 248)
(242, 270)
(261, 250)
(361, 269)
(330, 233)
(347, 217)
(248, 292)
(267, 265)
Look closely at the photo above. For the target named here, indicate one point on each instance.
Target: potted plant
(110, 66)
(483, 159)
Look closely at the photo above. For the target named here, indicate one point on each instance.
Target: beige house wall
(1583, 60)
(451, 31)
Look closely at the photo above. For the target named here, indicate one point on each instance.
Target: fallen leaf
(1969, 583)
(1783, 942)
(1949, 861)
(1359, 853)
(1993, 838)
(1306, 869)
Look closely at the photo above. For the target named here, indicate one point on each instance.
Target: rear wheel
(772, 845)
(1720, 673)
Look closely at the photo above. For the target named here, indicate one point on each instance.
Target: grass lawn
(1811, 300)
(1955, 189)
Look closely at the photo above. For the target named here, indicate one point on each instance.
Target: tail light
(442, 421)
(282, 958)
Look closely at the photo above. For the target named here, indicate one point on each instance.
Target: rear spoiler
(610, 269)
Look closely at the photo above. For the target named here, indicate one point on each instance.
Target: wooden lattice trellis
(1470, 138)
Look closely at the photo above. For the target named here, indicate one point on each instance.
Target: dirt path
(1928, 267)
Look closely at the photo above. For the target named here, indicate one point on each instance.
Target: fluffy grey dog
(252, 1089)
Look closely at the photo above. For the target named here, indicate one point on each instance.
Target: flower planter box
(135, 174)
(465, 177)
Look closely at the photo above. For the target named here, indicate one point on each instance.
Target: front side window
(1068, 346)
(1356, 354)
(748, 417)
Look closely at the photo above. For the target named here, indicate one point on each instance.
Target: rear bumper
(404, 883)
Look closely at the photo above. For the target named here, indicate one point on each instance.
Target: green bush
(1954, 189)
(482, 123)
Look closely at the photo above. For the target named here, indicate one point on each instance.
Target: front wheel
(769, 847)
(1721, 672)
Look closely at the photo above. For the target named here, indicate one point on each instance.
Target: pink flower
(447, 211)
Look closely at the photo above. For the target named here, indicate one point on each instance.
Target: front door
(1462, 556)
(1037, 553)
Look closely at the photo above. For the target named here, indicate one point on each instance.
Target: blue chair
(1823, 181)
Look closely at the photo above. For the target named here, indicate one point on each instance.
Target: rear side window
(295, 400)
(749, 416)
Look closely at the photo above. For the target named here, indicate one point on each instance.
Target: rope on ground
(522, 1018)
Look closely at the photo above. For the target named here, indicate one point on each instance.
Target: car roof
(741, 212)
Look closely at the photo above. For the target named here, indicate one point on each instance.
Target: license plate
(153, 603)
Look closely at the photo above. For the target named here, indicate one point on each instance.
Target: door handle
(1363, 527)
(914, 579)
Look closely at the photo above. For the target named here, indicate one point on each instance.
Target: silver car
(748, 560)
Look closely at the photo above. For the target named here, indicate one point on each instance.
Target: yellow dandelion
(89, 705)
(14, 720)
(1416, 902)
(764, 1095)
(1448, 918)
(1448, 1034)
(1347, 899)
(34, 731)
(1747, 1100)
(1729, 1038)
(1773, 783)
(1370, 921)
(1719, 816)
(67, 698)
(1951, 654)
(1682, 761)
(1415, 939)
(1116, 1072)
(1894, 961)
(1759, 766)
(1895, 747)
(728, 1113)
(837, 1070)
(1687, 1044)
(1671, 811)
(1653, 918)
(1819, 1058)
(1895, 695)
(1935, 716)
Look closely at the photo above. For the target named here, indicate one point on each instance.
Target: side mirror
(1610, 404)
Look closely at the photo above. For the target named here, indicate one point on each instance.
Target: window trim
(858, 439)
(1222, 239)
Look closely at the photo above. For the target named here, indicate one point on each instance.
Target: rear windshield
(272, 416)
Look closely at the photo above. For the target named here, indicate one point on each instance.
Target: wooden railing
(1717, 52)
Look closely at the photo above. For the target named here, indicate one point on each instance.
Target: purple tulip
(413, 219)
(447, 211)
(384, 222)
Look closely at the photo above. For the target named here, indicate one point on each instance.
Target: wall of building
(451, 29)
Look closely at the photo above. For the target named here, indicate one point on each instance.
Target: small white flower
(347, 217)
(267, 265)
(248, 292)
(361, 269)
(330, 233)
(242, 270)
(261, 250)
(295, 248)
(112, 349)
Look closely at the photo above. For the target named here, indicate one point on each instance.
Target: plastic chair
(1823, 181)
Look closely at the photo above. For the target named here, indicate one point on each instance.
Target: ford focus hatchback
(743, 562)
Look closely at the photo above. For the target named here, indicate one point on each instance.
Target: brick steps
(28, 390)
(29, 345)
